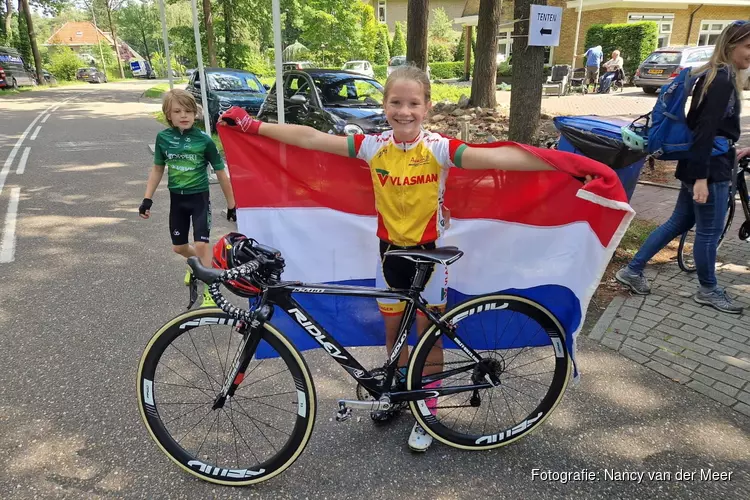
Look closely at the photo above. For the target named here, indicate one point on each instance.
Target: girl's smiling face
(406, 108)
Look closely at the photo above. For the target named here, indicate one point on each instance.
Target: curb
(609, 315)
(656, 184)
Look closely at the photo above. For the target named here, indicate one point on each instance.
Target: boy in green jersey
(185, 151)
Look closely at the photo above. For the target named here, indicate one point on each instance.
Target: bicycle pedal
(343, 414)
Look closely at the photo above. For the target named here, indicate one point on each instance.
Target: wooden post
(467, 53)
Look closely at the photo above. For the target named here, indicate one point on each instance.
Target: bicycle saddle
(441, 255)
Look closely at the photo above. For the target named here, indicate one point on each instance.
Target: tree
(23, 6)
(21, 40)
(139, 26)
(398, 45)
(7, 21)
(485, 59)
(526, 85)
(416, 32)
(382, 54)
(441, 27)
(208, 21)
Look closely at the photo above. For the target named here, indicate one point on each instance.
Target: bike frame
(281, 294)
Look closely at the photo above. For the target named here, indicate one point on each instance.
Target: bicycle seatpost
(420, 277)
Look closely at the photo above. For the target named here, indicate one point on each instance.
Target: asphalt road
(85, 283)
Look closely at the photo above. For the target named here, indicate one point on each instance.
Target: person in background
(613, 68)
(594, 58)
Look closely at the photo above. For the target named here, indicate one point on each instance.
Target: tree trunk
(416, 32)
(8, 21)
(467, 52)
(143, 35)
(32, 40)
(209, 21)
(228, 29)
(483, 86)
(114, 38)
(526, 84)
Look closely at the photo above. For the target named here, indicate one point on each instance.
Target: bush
(635, 41)
(398, 46)
(439, 53)
(381, 71)
(505, 70)
(447, 70)
(458, 55)
(382, 53)
(63, 62)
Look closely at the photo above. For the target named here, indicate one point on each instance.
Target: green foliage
(398, 45)
(448, 92)
(441, 27)
(458, 55)
(635, 41)
(382, 53)
(381, 72)
(371, 30)
(333, 30)
(108, 62)
(159, 64)
(447, 70)
(504, 69)
(63, 62)
(21, 42)
(439, 52)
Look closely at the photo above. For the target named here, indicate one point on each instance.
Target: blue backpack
(667, 131)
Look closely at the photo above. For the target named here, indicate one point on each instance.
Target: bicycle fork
(236, 375)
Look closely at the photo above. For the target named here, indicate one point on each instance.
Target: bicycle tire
(685, 248)
(506, 433)
(149, 387)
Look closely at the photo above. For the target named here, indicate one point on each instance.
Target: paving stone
(732, 360)
(721, 376)
(660, 310)
(681, 369)
(703, 378)
(635, 335)
(697, 309)
(703, 359)
(606, 318)
(726, 389)
(637, 327)
(617, 337)
(671, 323)
(634, 355)
(736, 337)
(703, 333)
(635, 301)
(652, 301)
(711, 393)
(647, 315)
(712, 321)
(668, 372)
(743, 374)
(687, 321)
(672, 302)
(611, 343)
(744, 397)
(715, 346)
(638, 345)
(618, 326)
(737, 345)
(628, 313)
(676, 332)
(645, 322)
(688, 344)
(741, 331)
(661, 343)
(742, 408)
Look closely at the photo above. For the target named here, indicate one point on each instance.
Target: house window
(710, 31)
(664, 24)
(381, 11)
(505, 47)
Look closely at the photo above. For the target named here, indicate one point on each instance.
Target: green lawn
(5, 93)
(157, 90)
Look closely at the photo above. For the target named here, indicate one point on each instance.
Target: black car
(333, 101)
(226, 88)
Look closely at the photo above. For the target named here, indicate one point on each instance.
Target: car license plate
(655, 71)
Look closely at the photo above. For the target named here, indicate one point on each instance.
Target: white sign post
(544, 25)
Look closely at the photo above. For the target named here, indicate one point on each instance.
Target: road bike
(227, 396)
(685, 257)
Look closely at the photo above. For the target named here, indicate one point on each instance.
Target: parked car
(290, 65)
(663, 65)
(396, 61)
(333, 101)
(13, 72)
(49, 78)
(226, 88)
(361, 67)
(91, 74)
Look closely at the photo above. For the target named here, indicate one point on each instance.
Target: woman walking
(706, 179)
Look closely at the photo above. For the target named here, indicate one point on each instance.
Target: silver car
(663, 65)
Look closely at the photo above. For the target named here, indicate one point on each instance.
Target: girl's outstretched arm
(502, 158)
(294, 135)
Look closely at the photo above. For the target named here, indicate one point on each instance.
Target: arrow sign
(544, 31)
(544, 25)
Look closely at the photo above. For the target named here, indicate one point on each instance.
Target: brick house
(81, 35)
(392, 11)
(680, 22)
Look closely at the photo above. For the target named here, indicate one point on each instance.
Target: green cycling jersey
(186, 155)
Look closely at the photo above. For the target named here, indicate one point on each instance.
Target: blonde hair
(408, 72)
(181, 97)
(722, 56)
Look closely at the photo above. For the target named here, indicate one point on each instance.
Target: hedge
(438, 70)
(635, 41)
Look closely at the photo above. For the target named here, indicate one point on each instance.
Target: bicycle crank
(347, 405)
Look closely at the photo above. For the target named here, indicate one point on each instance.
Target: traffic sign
(544, 25)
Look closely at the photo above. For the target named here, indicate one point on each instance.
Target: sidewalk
(667, 331)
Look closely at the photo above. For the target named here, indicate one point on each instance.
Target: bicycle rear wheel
(257, 433)
(685, 258)
(525, 346)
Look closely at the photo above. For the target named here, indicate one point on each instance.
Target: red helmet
(230, 251)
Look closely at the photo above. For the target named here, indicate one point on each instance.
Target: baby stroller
(578, 80)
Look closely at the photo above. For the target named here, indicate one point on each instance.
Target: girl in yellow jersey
(409, 167)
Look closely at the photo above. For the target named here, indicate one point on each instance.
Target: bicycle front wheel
(522, 343)
(254, 435)
(685, 258)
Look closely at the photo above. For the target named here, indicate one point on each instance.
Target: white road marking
(22, 163)
(36, 133)
(8, 246)
(47, 117)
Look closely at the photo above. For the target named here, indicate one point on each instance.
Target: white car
(397, 61)
(361, 67)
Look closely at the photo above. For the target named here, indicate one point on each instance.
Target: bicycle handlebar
(215, 277)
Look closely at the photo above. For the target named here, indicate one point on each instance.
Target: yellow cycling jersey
(409, 182)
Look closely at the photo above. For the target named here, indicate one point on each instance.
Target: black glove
(232, 214)
(145, 205)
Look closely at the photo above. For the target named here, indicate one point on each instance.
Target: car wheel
(651, 90)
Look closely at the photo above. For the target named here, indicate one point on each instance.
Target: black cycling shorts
(184, 208)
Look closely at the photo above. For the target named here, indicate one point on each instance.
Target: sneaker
(207, 300)
(637, 283)
(719, 300)
(419, 440)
